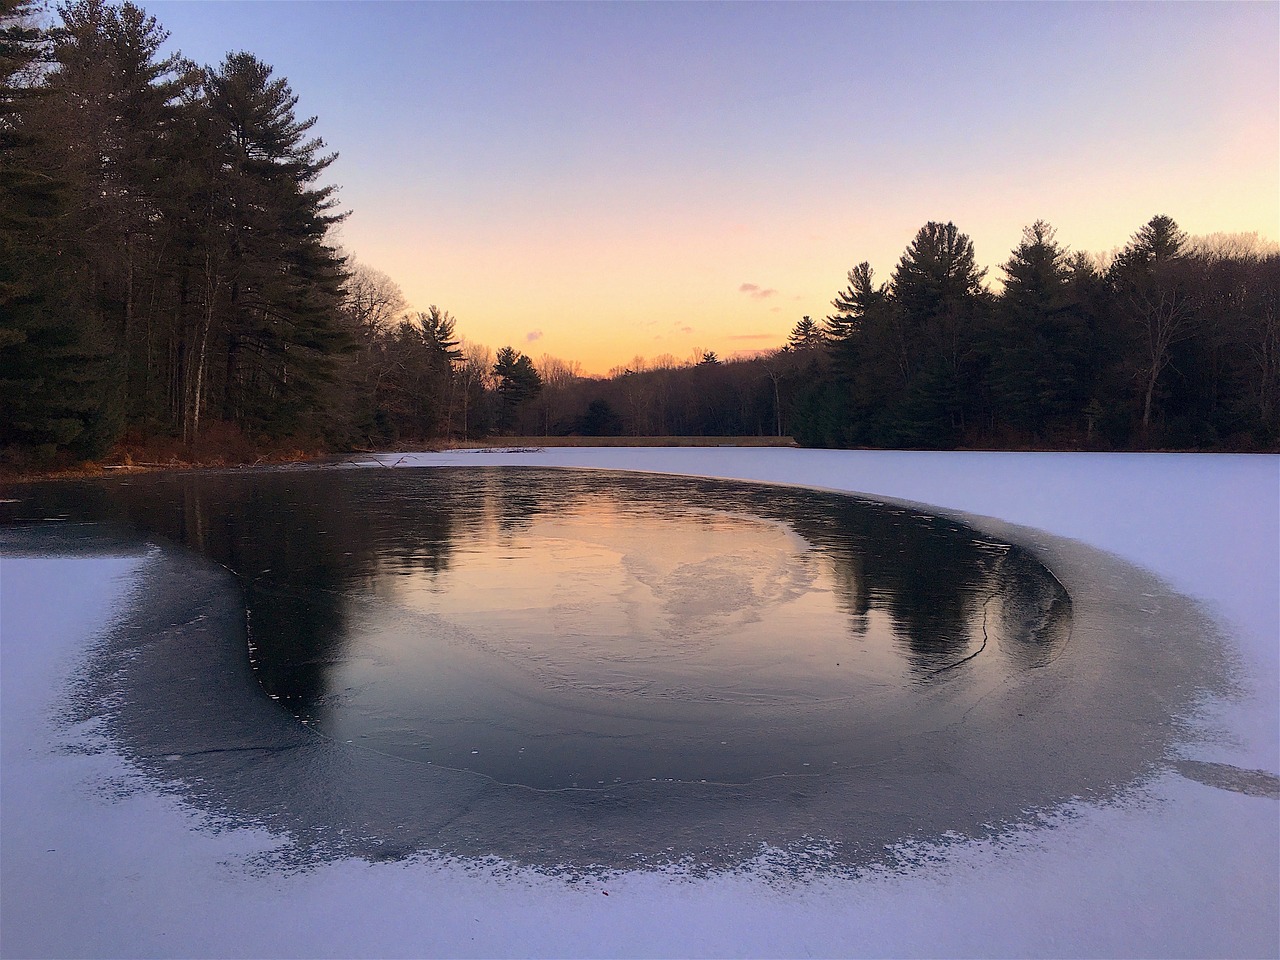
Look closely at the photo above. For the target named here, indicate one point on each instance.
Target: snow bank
(97, 862)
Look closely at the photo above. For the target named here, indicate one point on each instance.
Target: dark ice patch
(1224, 776)
(1087, 686)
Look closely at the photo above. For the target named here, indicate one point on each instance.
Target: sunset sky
(599, 181)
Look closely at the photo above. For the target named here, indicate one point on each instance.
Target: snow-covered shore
(96, 862)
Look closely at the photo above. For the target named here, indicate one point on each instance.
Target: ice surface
(96, 862)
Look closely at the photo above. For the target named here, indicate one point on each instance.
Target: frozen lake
(896, 722)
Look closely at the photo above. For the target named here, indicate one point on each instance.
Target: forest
(168, 271)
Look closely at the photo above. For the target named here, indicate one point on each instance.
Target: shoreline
(124, 461)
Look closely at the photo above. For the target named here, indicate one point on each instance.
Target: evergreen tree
(1152, 289)
(937, 289)
(600, 420)
(437, 327)
(871, 360)
(54, 363)
(164, 238)
(854, 303)
(273, 286)
(1104, 377)
(425, 351)
(1038, 344)
(806, 335)
(111, 106)
(517, 382)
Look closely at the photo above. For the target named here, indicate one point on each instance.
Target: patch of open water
(589, 668)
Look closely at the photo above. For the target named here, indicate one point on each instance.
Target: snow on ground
(96, 862)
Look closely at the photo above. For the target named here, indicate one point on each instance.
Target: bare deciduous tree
(374, 303)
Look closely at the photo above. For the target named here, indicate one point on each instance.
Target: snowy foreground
(97, 862)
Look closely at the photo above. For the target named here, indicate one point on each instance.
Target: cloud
(532, 336)
(756, 292)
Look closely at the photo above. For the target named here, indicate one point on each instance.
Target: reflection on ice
(564, 630)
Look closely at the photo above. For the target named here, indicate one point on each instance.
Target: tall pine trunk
(191, 433)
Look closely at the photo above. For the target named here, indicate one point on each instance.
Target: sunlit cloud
(756, 292)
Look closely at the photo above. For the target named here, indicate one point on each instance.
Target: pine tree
(1152, 288)
(806, 335)
(1037, 345)
(517, 382)
(600, 420)
(272, 285)
(937, 289)
(111, 108)
(54, 363)
(420, 383)
(855, 302)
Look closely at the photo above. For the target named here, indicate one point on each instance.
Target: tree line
(167, 265)
(165, 238)
(1170, 341)
(167, 261)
